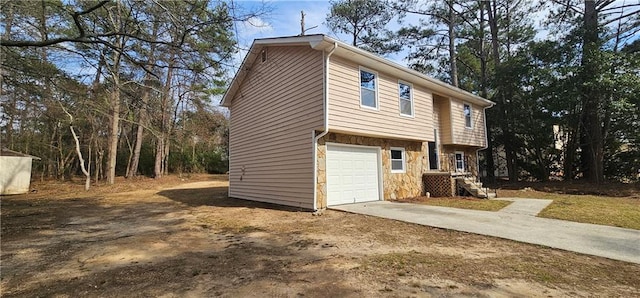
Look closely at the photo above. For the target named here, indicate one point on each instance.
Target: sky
(283, 19)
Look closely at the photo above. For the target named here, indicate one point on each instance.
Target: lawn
(610, 204)
(191, 240)
(460, 202)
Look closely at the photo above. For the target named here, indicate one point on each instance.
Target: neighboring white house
(15, 172)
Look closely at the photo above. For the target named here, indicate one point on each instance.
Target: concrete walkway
(516, 223)
(529, 207)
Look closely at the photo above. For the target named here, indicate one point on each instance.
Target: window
(397, 160)
(406, 99)
(467, 116)
(459, 156)
(263, 55)
(368, 88)
(434, 160)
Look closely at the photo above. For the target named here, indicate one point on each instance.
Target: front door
(433, 156)
(459, 161)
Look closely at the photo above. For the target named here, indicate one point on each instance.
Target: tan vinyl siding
(462, 135)
(273, 114)
(346, 115)
(444, 112)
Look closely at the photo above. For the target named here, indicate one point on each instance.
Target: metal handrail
(475, 182)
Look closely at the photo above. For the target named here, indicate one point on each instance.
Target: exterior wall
(443, 108)
(15, 175)
(273, 115)
(461, 135)
(447, 159)
(347, 116)
(395, 185)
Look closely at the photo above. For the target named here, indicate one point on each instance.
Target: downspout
(326, 126)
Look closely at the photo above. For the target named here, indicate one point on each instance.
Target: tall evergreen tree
(365, 22)
(599, 30)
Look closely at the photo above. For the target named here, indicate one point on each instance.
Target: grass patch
(617, 212)
(460, 202)
(621, 212)
(546, 268)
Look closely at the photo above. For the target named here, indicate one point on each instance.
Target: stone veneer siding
(395, 185)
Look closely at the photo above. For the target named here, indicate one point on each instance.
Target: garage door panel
(352, 174)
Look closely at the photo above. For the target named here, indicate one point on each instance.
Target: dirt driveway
(192, 241)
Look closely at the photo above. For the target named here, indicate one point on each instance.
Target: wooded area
(577, 70)
(106, 88)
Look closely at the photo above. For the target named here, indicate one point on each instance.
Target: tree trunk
(114, 118)
(484, 82)
(87, 175)
(355, 38)
(165, 161)
(135, 160)
(99, 158)
(94, 136)
(159, 168)
(452, 46)
(142, 113)
(509, 146)
(593, 145)
(8, 23)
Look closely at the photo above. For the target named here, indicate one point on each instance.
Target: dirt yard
(190, 240)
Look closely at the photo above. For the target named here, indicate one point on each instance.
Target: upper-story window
(368, 89)
(406, 99)
(468, 113)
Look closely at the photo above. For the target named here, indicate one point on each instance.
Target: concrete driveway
(516, 222)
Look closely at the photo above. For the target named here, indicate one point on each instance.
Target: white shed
(15, 172)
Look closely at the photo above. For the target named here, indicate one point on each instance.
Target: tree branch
(619, 7)
(619, 18)
(567, 5)
(602, 3)
(82, 37)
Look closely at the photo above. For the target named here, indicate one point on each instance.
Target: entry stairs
(474, 187)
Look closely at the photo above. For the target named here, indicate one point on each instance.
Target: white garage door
(352, 174)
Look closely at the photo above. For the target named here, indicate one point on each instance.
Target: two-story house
(316, 122)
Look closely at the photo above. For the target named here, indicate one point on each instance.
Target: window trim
(400, 99)
(403, 159)
(470, 115)
(377, 82)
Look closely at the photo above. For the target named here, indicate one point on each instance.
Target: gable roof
(7, 152)
(322, 42)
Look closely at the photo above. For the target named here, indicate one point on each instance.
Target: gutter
(326, 127)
